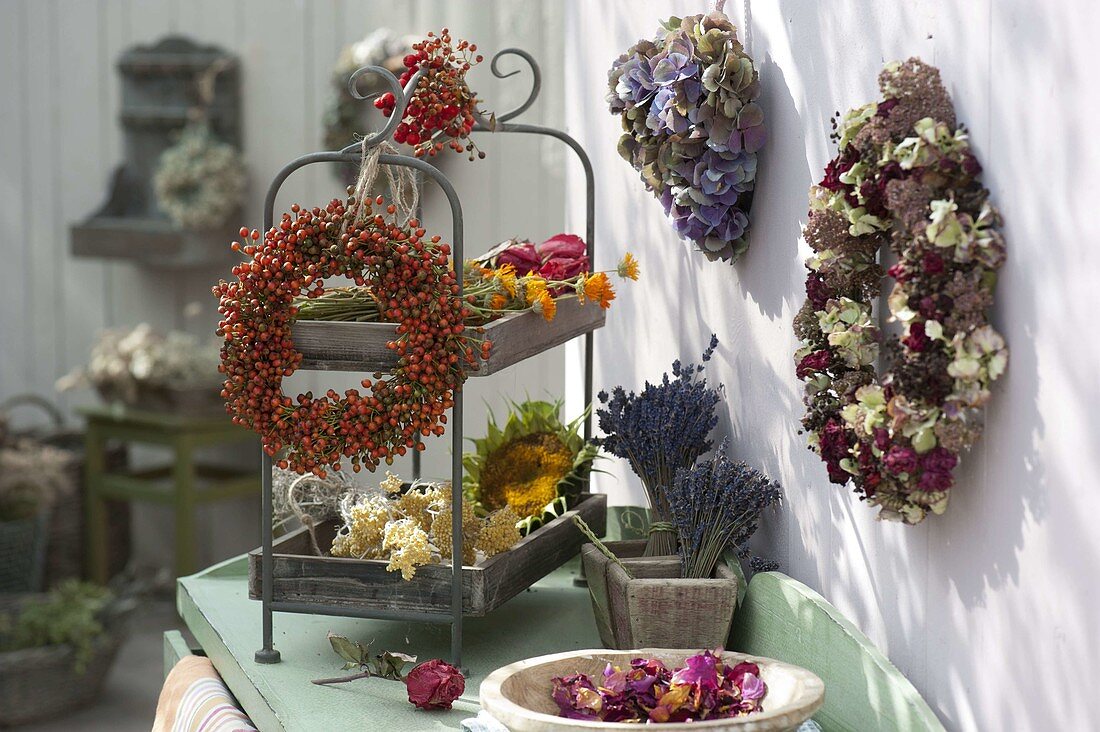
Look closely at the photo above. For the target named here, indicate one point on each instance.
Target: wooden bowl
(518, 695)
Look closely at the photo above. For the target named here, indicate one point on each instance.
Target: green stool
(184, 434)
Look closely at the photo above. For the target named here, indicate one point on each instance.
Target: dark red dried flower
(916, 340)
(939, 459)
(817, 291)
(814, 362)
(837, 167)
(435, 684)
(898, 272)
(932, 263)
(901, 459)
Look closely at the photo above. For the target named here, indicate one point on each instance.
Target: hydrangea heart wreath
(904, 174)
(692, 127)
(417, 287)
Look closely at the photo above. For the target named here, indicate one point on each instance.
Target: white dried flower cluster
(123, 361)
(413, 528)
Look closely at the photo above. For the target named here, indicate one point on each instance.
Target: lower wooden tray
(338, 346)
(303, 577)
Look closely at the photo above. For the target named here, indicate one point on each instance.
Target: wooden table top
(554, 615)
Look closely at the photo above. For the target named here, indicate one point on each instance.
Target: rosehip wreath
(692, 127)
(416, 285)
(904, 175)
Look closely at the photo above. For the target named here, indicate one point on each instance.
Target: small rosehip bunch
(441, 112)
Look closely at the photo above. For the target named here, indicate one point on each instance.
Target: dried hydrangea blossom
(692, 127)
(904, 174)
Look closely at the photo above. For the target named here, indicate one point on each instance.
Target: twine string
(657, 526)
(404, 193)
(299, 513)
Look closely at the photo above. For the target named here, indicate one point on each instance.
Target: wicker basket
(40, 683)
(64, 548)
(23, 553)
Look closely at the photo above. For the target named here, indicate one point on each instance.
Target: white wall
(60, 142)
(993, 609)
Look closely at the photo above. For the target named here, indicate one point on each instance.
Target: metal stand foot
(268, 655)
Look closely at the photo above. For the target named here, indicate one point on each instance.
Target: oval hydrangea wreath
(904, 175)
(693, 128)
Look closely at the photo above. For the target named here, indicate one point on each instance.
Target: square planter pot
(657, 608)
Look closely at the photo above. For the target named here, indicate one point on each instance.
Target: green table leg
(94, 467)
(184, 474)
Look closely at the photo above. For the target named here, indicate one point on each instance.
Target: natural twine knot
(662, 526)
(404, 193)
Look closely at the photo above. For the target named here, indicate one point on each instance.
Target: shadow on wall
(771, 275)
(965, 593)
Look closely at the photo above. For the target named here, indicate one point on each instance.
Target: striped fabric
(194, 699)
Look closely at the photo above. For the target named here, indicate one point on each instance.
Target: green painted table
(554, 615)
(191, 483)
(779, 617)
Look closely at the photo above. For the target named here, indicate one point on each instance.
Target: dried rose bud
(435, 684)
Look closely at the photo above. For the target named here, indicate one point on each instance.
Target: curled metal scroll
(401, 99)
(536, 80)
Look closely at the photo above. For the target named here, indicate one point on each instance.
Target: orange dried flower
(546, 306)
(628, 267)
(597, 288)
(533, 287)
(506, 275)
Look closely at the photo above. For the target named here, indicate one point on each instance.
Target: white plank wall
(60, 141)
(1010, 572)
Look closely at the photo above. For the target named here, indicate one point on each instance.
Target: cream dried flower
(408, 546)
(499, 532)
(365, 519)
(442, 527)
(417, 502)
(392, 483)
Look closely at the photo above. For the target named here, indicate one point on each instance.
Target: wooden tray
(303, 577)
(336, 346)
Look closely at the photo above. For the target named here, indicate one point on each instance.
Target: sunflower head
(535, 464)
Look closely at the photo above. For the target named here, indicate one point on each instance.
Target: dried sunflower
(535, 464)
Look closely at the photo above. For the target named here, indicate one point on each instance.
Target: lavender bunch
(661, 430)
(716, 505)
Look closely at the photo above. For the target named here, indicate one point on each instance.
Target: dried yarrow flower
(441, 531)
(408, 546)
(499, 533)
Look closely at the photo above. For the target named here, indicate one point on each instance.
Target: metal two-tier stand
(347, 357)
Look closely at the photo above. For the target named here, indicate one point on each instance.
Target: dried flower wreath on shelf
(904, 175)
(411, 275)
(692, 127)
